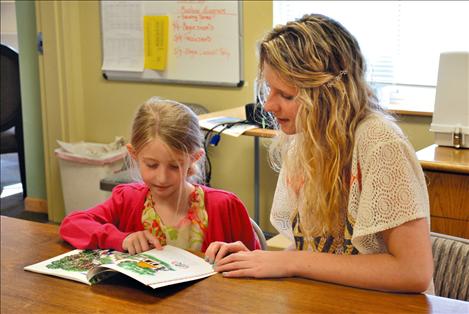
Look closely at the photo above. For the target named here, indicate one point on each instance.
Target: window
(401, 41)
(8, 32)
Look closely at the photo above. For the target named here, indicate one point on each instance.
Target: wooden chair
(198, 109)
(451, 260)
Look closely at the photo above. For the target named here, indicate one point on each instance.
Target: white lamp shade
(451, 113)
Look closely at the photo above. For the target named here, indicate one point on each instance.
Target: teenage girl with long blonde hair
(351, 195)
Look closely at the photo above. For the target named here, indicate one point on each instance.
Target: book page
(73, 265)
(157, 268)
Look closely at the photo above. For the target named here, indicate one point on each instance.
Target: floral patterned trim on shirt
(329, 244)
(189, 232)
(326, 244)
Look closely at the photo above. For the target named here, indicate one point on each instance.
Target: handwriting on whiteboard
(195, 29)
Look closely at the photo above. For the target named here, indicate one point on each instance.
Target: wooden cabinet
(447, 173)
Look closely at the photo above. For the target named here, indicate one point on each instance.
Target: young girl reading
(351, 195)
(166, 147)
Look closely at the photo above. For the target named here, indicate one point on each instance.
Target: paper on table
(235, 130)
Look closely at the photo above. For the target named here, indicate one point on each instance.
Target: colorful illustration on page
(143, 264)
(81, 262)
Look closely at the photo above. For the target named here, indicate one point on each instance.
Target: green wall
(31, 100)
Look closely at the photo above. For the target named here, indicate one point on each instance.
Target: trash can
(82, 166)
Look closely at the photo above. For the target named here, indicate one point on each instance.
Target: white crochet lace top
(387, 188)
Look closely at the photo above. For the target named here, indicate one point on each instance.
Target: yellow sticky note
(155, 37)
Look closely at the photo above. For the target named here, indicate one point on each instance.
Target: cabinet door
(449, 202)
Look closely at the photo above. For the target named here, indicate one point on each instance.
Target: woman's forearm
(374, 271)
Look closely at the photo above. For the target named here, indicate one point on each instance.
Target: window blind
(401, 40)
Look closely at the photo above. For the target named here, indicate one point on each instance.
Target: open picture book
(154, 268)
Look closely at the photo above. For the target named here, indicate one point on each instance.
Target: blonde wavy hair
(175, 124)
(323, 60)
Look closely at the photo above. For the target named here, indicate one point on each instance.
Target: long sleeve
(241, 227)
(106, 225)
(228, 220)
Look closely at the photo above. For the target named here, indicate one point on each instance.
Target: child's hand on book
(140, 241)
(217, 250)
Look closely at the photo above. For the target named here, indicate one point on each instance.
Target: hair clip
(337, 78)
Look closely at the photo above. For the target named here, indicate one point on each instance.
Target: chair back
(260, 234)
(451, 261)
(10, 100)
(198, 109)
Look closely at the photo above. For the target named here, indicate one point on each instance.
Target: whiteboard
(204, 41)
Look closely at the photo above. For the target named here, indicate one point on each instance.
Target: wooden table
(447, 174)
(24, 243)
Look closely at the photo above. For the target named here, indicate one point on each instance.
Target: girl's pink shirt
(106, 225)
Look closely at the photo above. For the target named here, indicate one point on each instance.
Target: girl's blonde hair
(174, 124)
(323, 60)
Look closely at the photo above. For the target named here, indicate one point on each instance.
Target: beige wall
(417, 130)
(93, 109)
